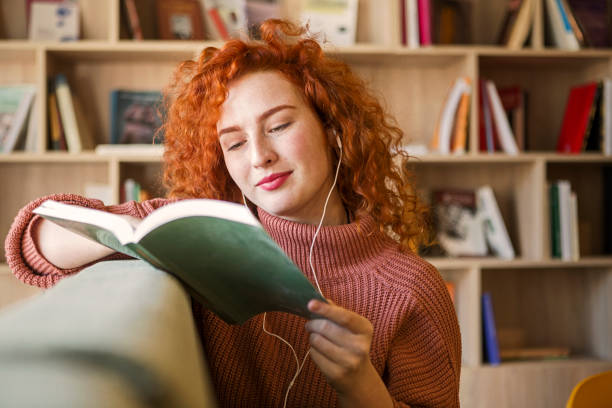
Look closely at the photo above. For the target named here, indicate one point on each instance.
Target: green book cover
(217, 249)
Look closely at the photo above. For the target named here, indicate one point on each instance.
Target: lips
(273, 181)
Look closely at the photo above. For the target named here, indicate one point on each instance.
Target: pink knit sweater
(416, 343)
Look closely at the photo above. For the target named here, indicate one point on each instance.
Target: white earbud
(338, 141)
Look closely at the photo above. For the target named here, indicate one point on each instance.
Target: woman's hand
(340, 346)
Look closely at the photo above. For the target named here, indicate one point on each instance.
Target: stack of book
(17, 118)
(502, 117)
(425, 22)
(193, 19)
(587, 121)
(133, 191)
(469, 223)
(69, 129)
(571, 24)
(508, 343)
(450, 133)
(564, 232)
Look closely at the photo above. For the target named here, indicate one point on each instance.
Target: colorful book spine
(490, 332)
(578, 114)
(425, 22)
(67, 114)
(412, 23)
(459, 139)
(504, 131)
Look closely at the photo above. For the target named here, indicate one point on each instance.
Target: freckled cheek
(239, 172)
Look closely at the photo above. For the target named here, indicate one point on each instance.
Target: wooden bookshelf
(566, 303)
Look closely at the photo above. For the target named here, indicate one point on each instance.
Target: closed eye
(235, 145)
(279, 128)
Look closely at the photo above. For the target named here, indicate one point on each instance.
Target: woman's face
(275, 149)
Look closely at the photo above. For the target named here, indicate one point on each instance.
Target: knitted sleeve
(424, 360)
(25, 260)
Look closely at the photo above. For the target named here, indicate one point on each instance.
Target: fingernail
(314, 305)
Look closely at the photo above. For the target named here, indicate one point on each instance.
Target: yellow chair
(592, 392)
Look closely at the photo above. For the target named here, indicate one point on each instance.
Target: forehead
(254, 93)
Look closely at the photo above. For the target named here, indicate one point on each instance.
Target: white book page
(122, 227)
(195, 207)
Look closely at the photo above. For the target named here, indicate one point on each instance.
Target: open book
(217, 249)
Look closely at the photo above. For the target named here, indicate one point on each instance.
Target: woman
(286, 128)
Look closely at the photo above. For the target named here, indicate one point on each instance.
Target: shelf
(494, 263)
(568, 363)
(357, 49)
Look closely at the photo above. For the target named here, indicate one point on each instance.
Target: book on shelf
(458, 223)
(233, 15)
(580, 111)
(73, 119)
(215, 27)
(496, 234)
(425, 22)
(335, 19)
(510, 15)
(459, 139)
(139, 19)
(218, 250)
(179, 20)
(133, 191)
(577, 27)
(606, 116)
(57, 139)
(487, 135)
(564, 221)
(521, 26)
(502, 125)
(53, 21)
(537, 29)
(555, 219)
(130, 13)
(257, 11)
(514, 102)
(441, 141)
(15, 107)
(411, 26)
(451, 21)
(534, 353)
(135, 116)
(562, 34)
(415, 23)
(30, 143)
(489, 330)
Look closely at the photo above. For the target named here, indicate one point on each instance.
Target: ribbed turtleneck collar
(339, 249)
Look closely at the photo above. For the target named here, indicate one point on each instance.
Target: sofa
(117, 334)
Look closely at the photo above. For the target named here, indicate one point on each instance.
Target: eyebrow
(261, 117)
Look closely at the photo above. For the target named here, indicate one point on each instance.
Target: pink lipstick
(273, 181)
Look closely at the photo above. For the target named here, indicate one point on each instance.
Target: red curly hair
(372, 178)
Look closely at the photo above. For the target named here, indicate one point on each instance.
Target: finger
(336, 334)
(330, 369)
(343, 317)
(328, 349)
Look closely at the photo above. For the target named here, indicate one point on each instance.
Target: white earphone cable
(297, 361)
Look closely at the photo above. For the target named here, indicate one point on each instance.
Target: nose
(262, 152)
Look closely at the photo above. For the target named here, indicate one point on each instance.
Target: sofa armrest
(117, 334)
